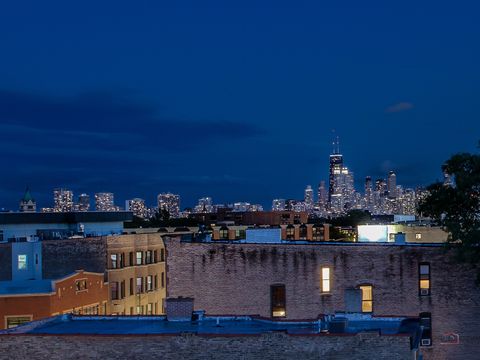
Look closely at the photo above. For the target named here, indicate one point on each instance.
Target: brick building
(80, 293)
(301, 281)
(252, 217)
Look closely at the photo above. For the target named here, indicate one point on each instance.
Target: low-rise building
(25, 300)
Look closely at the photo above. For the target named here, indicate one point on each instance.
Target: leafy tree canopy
(456, 206)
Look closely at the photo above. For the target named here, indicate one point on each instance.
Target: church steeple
(28, 204)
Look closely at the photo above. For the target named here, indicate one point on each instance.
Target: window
(317, 233)
(131, 259)
(139, 258)
(149, 283)
(139, 310)
(224, 233)
(162, 255)
(114, 290)
(131, 310)
(418, 236)
(155, 282)
(290, 232)
(13, 321)
(240, 234)
(424, 279)
(148, 257)
(155, 257)
(367, 298)
(163, 279)
(81, 285)
(149, 308)
(122, 289)
(277, 298)
(131, 287)
(22, 262)
(426, 325)
(113, 261)
(121, 260)
(303, 232)
(325, 279)
(139, 285)
(1, 235)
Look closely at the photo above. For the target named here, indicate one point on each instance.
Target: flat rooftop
(24, 287)
(65, 217)
(243, 325)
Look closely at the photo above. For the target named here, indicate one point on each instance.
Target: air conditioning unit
(424, 292)
(426, 342)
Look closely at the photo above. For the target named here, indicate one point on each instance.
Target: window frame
(278, 306)
(424, 291)
(326, 280)
(370, 300)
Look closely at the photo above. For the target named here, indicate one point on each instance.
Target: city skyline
(225, 99)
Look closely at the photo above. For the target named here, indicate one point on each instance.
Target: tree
(456, 206)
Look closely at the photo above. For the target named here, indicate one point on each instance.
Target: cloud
(399, 107)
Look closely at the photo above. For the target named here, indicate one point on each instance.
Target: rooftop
(211, 325)
(64, 217)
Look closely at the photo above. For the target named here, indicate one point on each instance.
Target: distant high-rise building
(205, 205)
(308, 198)
(62, 200)
(28, 204)
(278, 204)
(83, 202)
(322, 196)
(137, 207)
(169, 202)
(336, 165)
(368, 193)
(392, 185)
(104, 201)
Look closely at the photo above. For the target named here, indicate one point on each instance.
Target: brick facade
(236, 279)
(271, 346)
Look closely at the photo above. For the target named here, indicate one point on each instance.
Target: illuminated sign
(372, 233)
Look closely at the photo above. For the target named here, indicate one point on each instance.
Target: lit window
(149, 283)
(13, 321)
(81, 285)
(149, 308)
(418, 236)
(22, 262)
(113, 259)
(139, 285)
(139, 257)
(290, 232)
(367, 298)
(277, 293)
(224, 233)
(424, 279)
(325, 279)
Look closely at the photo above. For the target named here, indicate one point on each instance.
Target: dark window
(162, 255)
(426, 325)
(122, 289)
(114, 290)
(155, 282)
(139, 285)
(317, 233)
(277, 293)
(121, 260)
(163, 279)
(132, 291)
(131, 260)
(303, 232)
(155, 258)
(148, 257)
(240, 234)
(424, 279)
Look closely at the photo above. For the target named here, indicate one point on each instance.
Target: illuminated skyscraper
(392, 185)
(308, 199)
(205, 205)
(368, 193)
(63, 200)
(278, 204)
(137, 207)
(169, 202)
(83, 202)
(104, 202)
(336, 165)
(322, 196)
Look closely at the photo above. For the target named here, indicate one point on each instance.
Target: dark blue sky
(236, 100)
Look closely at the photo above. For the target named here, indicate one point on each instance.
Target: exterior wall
(33, 251)
(63, 257)
(253, 217)
(138, 302)
(63, 299)
(273, 346)
(266, 232)
(236, 279)
(68, 299)
(5, 261)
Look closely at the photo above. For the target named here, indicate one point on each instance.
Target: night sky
(236, 100)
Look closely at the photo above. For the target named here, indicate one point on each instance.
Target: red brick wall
(236, 279)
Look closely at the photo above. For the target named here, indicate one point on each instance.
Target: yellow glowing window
(424, 279)
(418, 236)
(325, 279)
(367, 298)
